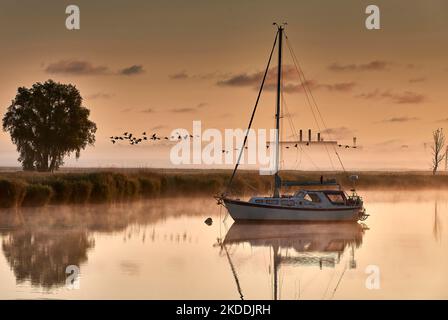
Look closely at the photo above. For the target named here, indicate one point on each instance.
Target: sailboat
(328, 202)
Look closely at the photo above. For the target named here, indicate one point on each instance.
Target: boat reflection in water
(313, 244)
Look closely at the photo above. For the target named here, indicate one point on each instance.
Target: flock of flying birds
(134, 140)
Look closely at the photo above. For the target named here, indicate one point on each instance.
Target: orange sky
(197, 60)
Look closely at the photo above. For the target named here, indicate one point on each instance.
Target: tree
(48, 122)
(437, 149)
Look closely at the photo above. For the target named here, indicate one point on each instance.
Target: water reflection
(162, 249)
(39, 243)
(42, 257)
(437, 228)
(296, 244)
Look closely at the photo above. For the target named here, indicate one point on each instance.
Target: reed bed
(101, 186)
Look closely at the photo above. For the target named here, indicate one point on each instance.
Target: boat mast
(277, 180)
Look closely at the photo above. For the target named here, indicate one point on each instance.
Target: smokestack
(318, 136)
(354, 141)
(300, 135)
(309, 135)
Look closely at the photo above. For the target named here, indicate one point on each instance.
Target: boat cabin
(315, 198)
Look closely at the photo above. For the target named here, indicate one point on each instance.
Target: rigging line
(295, 132)
(291, 123)
(220, 222)
(235, 275)
(295, 60)
(328, 284)
(308, 94)
(309, 282)
(302, 78)
(340, 161)
(339, 281)
(253, 114)
(280, 127)
(307, 91)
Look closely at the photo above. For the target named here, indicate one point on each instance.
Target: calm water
(162, 249)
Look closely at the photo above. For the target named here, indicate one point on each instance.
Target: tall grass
(38, 189)
(81, 191)
(37, 195)
(12, 193)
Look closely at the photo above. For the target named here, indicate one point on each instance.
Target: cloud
(100, 95)
(183, 75)
(313, 85)
(179, 76)
(147, 110)
(338, 132)
(189, 109)
(241, 80)
(412, 66)
(443, 120)
(376, 65)
(210, 75)
(415, 80)
(202, 105)
(81, 67)
(400, 119)
(254, 79)
(132, 70)
(289, 75)
(369, 95)
(406, 97)
(75, 67)
(182, 110)
(343, 86)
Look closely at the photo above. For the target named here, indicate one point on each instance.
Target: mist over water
(162, 249)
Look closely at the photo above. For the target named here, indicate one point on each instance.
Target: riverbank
(23, 189)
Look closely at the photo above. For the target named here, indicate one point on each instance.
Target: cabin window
(336, 198)
(259, 201)
(272, 201)
(288, 203)
(299, 194)
(312, 197)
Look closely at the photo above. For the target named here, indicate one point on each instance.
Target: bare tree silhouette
(437, 149)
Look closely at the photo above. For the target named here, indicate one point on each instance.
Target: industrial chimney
(300, 135)
(309, 135)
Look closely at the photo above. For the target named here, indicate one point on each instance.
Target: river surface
(162, 249)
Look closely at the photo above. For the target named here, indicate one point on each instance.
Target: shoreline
(34, 189)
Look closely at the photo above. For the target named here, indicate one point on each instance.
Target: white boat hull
(246, 211)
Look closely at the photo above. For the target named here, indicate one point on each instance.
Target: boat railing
(326, 183)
